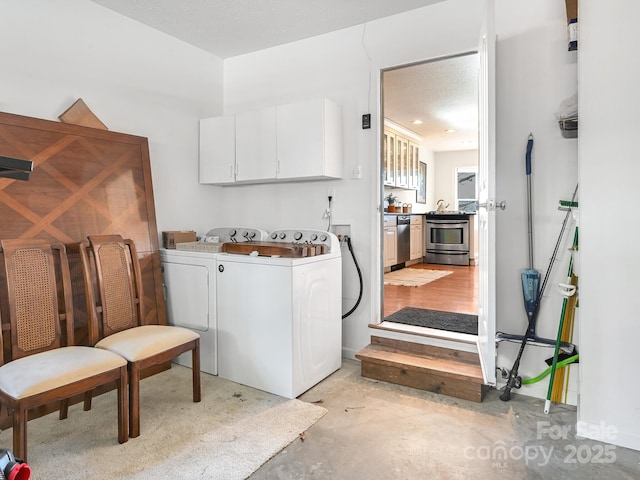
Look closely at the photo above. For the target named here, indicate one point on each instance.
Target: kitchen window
(466, 192)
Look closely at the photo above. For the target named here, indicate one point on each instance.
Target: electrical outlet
(356, 172)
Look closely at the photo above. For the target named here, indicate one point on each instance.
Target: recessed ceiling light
(450, 130)
(417, 122)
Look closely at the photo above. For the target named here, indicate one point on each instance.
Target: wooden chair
(117, 317)
(45, 364)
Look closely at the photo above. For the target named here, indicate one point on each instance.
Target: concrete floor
(374, 430)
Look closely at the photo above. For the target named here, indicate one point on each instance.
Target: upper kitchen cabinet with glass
(400, 151)
(293, 142)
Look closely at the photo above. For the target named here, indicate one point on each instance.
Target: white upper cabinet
(300, 141)
(256, 146)
(218, 150)
(309, 140)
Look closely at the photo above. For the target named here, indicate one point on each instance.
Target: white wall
(535, 72)
(609, 171)
(446, 165)
(135, 79)
(344, 66)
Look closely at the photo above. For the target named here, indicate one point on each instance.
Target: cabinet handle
(231, 171)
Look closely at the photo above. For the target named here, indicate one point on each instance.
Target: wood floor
(457, 292)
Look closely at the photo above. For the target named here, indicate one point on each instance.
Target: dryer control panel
(236, 235)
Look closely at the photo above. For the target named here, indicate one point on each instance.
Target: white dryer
(190, 291)
(279, 319)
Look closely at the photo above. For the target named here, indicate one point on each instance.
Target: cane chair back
(45, 365)
(117, 316)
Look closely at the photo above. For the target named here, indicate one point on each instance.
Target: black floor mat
(452, 322)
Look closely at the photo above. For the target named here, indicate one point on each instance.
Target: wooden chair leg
(134, 400)
(123, 407)
(88, 397)
(20, 417)
(195, 371)
(64, 408)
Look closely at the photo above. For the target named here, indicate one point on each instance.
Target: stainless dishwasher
(404, 238)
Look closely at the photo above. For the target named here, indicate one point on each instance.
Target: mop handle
(529, 213)
(528, 154)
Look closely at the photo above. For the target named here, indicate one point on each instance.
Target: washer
(279, 319)
(190, 290)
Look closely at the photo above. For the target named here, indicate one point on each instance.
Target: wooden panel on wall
(85, 181)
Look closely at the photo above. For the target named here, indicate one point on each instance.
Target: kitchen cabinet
(417, 243)
(402, 149)
(389, 157)
(299, 141)
(309, 140)
(401, 157)
(390, 246)
(414, 159)
(218, 150)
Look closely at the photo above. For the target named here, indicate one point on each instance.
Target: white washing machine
(190, 291)
(280, 319)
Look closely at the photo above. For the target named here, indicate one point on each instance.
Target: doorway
(430, 156)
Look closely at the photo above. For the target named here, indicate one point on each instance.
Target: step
(435, 369)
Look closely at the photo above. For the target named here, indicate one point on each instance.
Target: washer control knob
(274, 235)
(283, 235)
(314, 237)
(232, 232)
(323, 238)
(252, 234)
(297, 236)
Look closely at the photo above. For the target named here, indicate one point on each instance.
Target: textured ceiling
(443, 94)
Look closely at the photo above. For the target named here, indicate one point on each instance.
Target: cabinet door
(256, 145)
(416, 242)
(217, 150)
(309, 140)
(390, 246)
(413, 165)
(403, 161)
(389, 158)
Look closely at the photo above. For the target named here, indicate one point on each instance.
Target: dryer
(280, 319)
(190, 290)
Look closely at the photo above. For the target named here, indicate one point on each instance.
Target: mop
(532, 292)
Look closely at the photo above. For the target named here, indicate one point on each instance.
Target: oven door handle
(448, 252)
(448, 222)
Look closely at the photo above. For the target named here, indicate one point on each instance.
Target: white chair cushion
(142, 342)
(45, 371)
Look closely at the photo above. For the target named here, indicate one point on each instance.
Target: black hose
(359, 277)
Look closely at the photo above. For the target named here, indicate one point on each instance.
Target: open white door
(486, 197)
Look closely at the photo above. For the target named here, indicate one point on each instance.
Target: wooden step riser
(429, 350)
(423, 379)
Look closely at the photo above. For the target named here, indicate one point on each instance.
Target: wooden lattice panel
(85, 181)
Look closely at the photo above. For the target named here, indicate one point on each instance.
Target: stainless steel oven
(447, 238)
